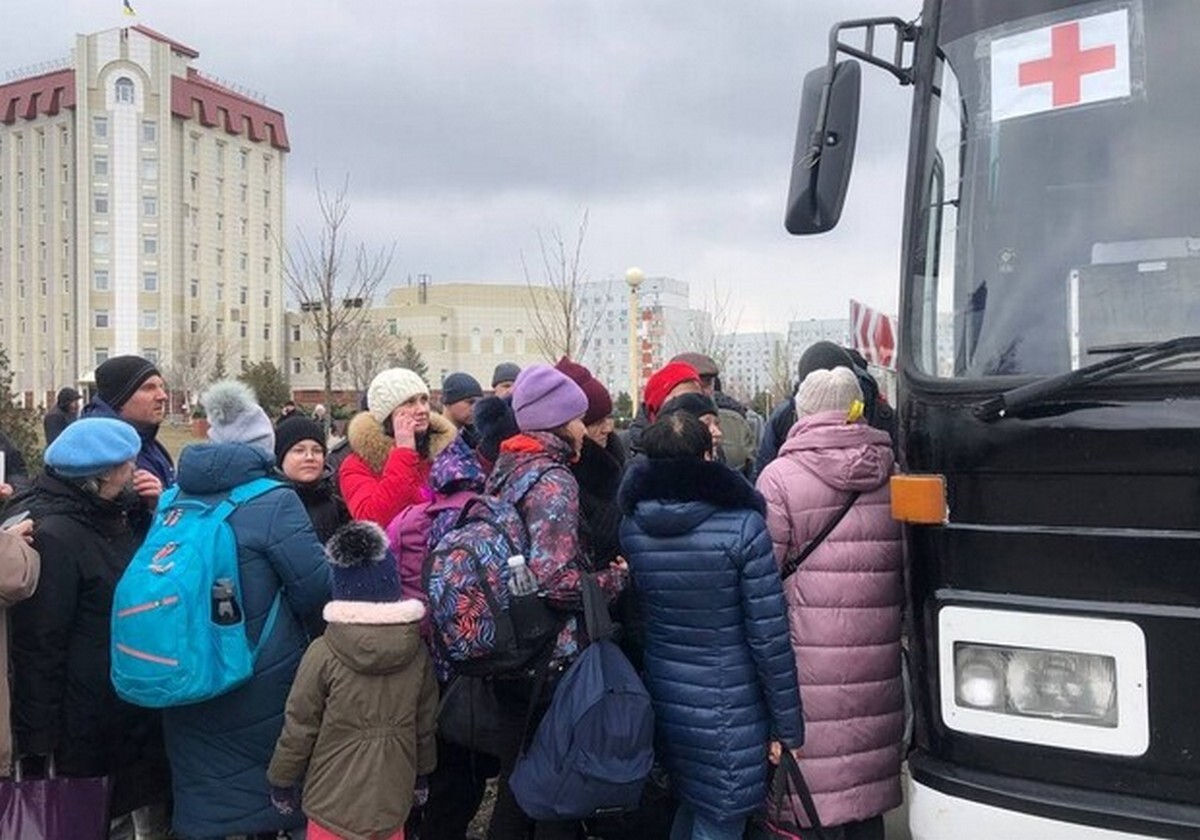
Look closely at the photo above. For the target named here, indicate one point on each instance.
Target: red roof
(175, 45)
(212, 104)
(43, 95)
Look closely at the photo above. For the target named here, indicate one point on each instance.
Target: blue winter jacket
(220, 749)
(719, 666)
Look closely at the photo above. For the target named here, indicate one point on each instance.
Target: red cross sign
(1061, 66)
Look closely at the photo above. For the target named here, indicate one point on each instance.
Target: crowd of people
(753, 569)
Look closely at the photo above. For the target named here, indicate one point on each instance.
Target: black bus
(1049, 381)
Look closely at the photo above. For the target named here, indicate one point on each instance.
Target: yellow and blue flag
(129, 9)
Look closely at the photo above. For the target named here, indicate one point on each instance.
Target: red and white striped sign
(1061, 66)
(873, 334)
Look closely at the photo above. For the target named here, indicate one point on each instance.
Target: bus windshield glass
(1061, 220)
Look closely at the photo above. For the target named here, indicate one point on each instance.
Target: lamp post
(634, 278)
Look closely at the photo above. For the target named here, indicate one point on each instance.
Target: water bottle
(225, 609)
(520, 579)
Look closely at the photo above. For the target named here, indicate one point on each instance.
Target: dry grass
(174, 436)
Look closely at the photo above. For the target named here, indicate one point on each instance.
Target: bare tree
(334, 297)
(366, 348)
(562, 324)
(709, 337)
(199, 354)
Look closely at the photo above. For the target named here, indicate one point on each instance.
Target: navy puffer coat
(220, 749)
(718, 663)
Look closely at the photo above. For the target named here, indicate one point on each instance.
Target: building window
(220, 222)
(150, 206)
(100, 243)
(124, 90)
(100, 204)
(476, 340)
(266, 332)
(220, 258)
(150, 354)
(149, 131)
(150, 169)
(266, 166)
(149, 319)
(99, 128)
(150, 281)
(100, 166)
(243, 226)
(296, 333)
(194, 180)
(520, 343)
(244, 159)
(220, 155)
(242, 329)
(194, 288)
(266, 300)
(220, 292)
(195, 145)
(149, 245)
(66, 323)
(445, 345)
(243, 262)
(242, 192)
(100, 356)
(100, 279)
(295, 365)
(498, 342)
(100, 319)
(243, 296)
(194, 325)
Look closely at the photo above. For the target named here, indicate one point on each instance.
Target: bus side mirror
(824, 148)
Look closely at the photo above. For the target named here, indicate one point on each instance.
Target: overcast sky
(466, 126)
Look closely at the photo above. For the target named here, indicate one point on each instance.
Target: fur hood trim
(368, 441)
(687, 480)
(227, 400)
(408, 611)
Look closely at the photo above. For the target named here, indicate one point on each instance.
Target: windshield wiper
(1017, 398)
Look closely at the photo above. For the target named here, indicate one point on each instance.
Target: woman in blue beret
(63, 704)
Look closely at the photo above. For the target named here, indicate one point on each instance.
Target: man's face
(503, 389)
(148, 403)
(462, 413)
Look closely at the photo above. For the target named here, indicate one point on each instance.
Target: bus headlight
(1060, 685)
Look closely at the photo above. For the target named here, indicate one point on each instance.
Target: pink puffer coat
(844, 607)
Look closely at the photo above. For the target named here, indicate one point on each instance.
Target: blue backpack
(178, 619)
(594, 748)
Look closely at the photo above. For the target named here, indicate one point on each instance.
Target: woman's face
(600, 430)
(116, 480)
(714, 428)
(575, 432)
(304, 463)
(416, 407)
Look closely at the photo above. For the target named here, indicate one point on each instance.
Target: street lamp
(634, 277)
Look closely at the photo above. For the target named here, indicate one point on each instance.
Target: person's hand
(6, 490)
(23, 529)
(285, 800)
(404, 427)
(147, 485)
(421, 791)
(774, 752)
(619, 564)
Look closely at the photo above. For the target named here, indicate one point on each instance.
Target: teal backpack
(178, 616)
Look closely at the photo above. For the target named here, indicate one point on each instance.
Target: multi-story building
(141, 206)
(669, 325)
(469, 327)
(803, 334)
(754, 363)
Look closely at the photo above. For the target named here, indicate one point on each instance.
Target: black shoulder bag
(791, 564)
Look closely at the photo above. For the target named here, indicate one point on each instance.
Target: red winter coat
(379, 479)
(844, 606)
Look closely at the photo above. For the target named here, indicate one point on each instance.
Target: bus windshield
(1061, 219)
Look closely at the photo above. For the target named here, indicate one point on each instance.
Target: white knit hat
(234, 416)
(391, 389)
(828, 390)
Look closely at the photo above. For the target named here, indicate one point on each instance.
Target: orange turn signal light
(920, 499)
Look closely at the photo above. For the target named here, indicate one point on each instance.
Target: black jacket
(598, 472)
(54, 422)
(324, 506)
(62, 700)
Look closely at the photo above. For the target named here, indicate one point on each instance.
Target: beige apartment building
(468, 327)
(141, 206)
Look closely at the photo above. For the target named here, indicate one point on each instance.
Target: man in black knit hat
(130, 388)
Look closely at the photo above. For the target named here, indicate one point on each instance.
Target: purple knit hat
(544, 398)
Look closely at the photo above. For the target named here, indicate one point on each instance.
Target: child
(362, 712)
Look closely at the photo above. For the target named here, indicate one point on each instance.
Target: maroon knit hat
(600, 404)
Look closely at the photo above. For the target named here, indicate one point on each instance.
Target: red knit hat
(664, 380)
(600, 404)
